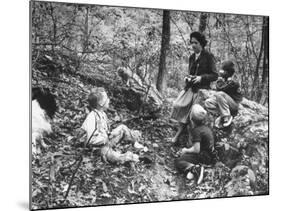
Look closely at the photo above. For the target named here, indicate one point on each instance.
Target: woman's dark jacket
(205, 67)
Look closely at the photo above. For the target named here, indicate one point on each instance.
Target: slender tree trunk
(33, 27)
(161, 79)
(86, 31)
(256, 84)
(265, 69)
(203, 22)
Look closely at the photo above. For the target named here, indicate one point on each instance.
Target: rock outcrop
(243, 147)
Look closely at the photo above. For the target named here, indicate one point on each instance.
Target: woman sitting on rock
(202, 71)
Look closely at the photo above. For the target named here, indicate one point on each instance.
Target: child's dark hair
(228, 66)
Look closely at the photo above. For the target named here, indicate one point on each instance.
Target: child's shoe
(226, 121)
(223, 122)
(198, 172)
(189, 176)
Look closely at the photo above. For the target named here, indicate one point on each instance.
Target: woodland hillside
(89, 37)
(140, 56)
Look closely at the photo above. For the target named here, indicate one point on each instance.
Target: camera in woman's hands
(189, 81)
(222, 74)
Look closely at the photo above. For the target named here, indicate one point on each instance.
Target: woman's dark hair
(200, 37)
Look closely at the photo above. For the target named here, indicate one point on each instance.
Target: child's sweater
(230, 87)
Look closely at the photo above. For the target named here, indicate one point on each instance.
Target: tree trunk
(86, 31)
(203, 22)
(54, 38)
(256, 85)
(265, 68)
(161, 78)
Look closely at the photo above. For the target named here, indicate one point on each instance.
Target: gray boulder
(243, 147)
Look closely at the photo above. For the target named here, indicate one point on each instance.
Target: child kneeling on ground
(98, 134)
(201, 151)
(228, 97)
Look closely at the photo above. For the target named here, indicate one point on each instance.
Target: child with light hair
(201, 150)
(98, 134)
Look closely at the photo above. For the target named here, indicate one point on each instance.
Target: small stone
(155, 145)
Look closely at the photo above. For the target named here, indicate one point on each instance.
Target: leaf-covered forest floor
(100, 183)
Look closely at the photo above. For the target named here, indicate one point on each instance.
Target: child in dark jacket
(228, 97)
(202, 146)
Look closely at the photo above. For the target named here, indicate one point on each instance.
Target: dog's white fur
(40, 126)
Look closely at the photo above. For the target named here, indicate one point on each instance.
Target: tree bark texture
(203, 22)
(161, 78)
(263, 98)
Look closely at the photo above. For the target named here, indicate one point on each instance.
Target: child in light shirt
(98, 134)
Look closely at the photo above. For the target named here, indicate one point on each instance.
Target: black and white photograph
(137, 105)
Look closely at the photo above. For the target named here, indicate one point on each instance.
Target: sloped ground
(99, 183)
